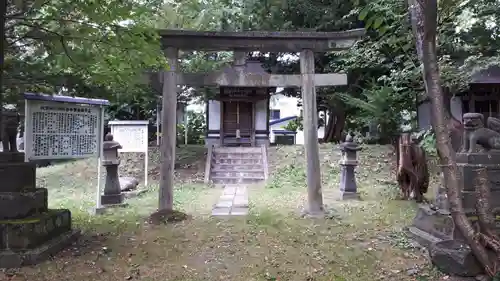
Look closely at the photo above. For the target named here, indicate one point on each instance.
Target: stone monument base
(431, 226)
(349, 196)
(32, 239)
(436, 231)
(14, 205)
(456, 258)
(12, 157)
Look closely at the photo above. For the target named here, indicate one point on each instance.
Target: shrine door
(237, 115)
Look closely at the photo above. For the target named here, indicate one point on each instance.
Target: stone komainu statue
(10, 123)
(475, 133)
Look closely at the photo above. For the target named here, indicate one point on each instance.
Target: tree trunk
(424, 23)
(339, 127)
(3, 45)
(412, 172)
(335, 126)
(405, 174)
(329, 126)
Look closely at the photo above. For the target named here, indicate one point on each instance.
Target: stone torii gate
(240, 42)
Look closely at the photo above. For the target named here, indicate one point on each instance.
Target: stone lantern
(112, 190)
(348, 162)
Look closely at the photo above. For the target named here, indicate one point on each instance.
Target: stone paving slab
(224, 204)
(226, 197)
(240, 201)
(239, 211)
(241, 190)
(232, 202)
(228, 190)
(221, 211)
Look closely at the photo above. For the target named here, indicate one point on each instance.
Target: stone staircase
(237, 165)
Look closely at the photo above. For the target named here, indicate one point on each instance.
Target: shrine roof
(65, 99)
(489, 75)
(254, 67)
(277, 41)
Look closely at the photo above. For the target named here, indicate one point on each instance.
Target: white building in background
(283, 110)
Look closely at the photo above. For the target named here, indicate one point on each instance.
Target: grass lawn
(358, 241)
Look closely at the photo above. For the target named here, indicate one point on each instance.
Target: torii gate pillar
(313, 172)
(168, 131)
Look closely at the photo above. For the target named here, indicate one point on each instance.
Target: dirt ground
(360, 240)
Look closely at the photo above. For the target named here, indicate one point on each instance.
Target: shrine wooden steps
(238, 165)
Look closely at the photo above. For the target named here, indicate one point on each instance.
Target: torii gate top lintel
(265, 41)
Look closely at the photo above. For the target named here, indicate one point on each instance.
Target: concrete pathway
(233, 201)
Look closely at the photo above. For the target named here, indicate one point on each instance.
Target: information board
(62, 127)
(62, 131)
(133, 137)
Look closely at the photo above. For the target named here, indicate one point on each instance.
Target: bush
(294, 125)
(196, 129)
(427, 140)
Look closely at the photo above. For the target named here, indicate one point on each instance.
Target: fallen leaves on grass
(360, 240)
(166, 216)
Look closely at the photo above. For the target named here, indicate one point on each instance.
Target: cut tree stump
(413, 173)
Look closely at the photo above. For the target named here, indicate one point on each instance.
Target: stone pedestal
(29, 231)
(433, 226)
(112, 190)
(348, 162)
(348, 186)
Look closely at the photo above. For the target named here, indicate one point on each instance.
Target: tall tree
(84, 46)
(424, 21)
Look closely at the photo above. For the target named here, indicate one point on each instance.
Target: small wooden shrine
(239, 116)
(483, 95)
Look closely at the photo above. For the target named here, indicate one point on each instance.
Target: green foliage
(198, 15)
(381, 105)
(203, 62)
(140, 107)
(427, 140)
(295, 125)
(196, 129)
(90, 48)
(83, 47)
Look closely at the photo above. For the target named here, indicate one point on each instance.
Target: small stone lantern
(348, 162)
(112, 190)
